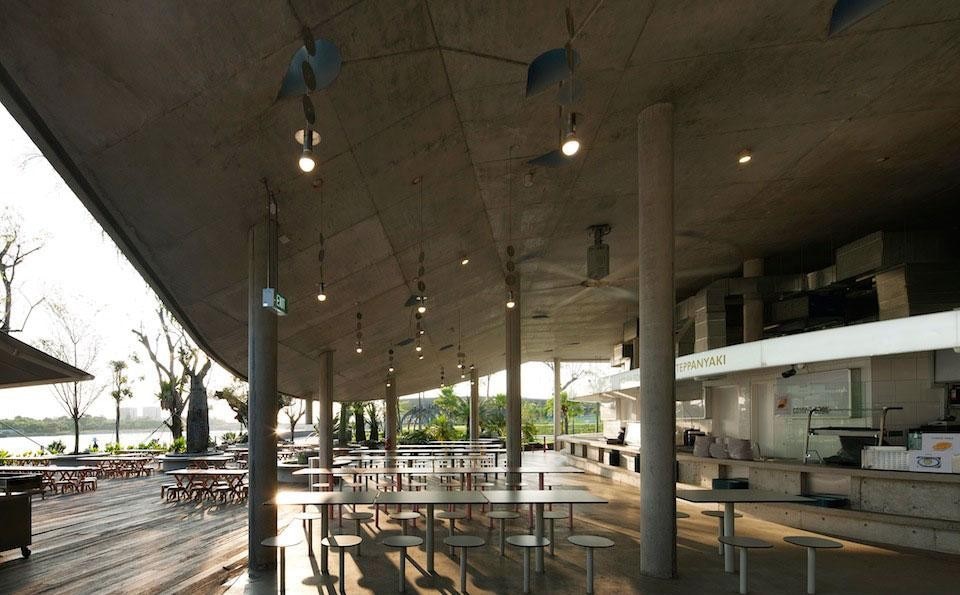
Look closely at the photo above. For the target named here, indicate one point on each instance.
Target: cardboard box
(941, 443)
(930, 462)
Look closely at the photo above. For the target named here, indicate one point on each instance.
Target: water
(18, 444)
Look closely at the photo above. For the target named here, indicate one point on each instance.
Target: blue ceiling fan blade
(847, 12)
(548, 69)
(325, 64)
(554, 158)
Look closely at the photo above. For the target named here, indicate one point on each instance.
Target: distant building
(128, 413)
(151, 413)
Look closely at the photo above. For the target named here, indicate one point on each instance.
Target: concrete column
(752, 303)
(658, 548)
(557, 412)
(263, 407)
(325, 409)
(514, 436)
(474, 404)
(391, 415)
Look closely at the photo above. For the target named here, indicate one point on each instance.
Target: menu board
(834, 389)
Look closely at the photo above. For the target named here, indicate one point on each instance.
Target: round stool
(502, 516)
(403, 516)
(358, 517)
(416, 485)
(718, 514)
(745, 544)
(590, 543)
(452, 516)
(341, 542)
(308, 518)
(402, 542)
(282, 542)
(527, 542)
(552, 515)
(812, 544)
(464, 542)
(682, 515)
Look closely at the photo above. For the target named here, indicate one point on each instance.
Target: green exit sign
(274, 300)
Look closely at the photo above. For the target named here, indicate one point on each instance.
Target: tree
(373, 412)
(493, 415)
(121, 390)
(359, 427)
(75, 343)
(13, 251)
(568, 409)
(198, 412)
(172, 374)
(294, 410)
(236, 396)
(453, 407)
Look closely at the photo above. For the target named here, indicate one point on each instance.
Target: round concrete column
(658, 549)
(391, 415)
(262, 406)
(514, 435)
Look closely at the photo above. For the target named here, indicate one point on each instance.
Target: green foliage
(153, 444)
(228, 438)
(4, 455)
(529, 431)
(451, 406)
(56, 447)
(414, 437)
(179, 445)
(442, 428)
(112, 447)
(493, 416)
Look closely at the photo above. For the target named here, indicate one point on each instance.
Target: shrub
(179, 445)
(153, 444)
(4, 455)
(414, 437)
(442, 428)
(112, 447)
(228, 438)
(56, 447)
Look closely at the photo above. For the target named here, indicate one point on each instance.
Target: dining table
(50, 474)
(430, 498)
(540, 498)
(729, 498)
(203, 480)
(323, 501)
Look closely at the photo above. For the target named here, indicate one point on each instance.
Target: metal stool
(308, 518)
(403, 516)
(812, 544)
(358, 517)
(552, 515)
(744, 543)
(282, 541)
(502, 516)
(590, 543)
(718, 514)
(402, 542)
(464, 542)
(341, 542)
(527, 542)
(682, 515)
(452, 516)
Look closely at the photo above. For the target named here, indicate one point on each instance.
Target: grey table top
(744, 542)
(590, 541)
(431, 497)
(814, 542)
(542, 497)
(738, 496)
(402, 541)
(302, 498)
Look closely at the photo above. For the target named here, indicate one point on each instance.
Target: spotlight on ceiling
(464, 260)
(322, 294)
(744, 156)
(511, 303)
(308, 139)
(420, 356)
(421, 305)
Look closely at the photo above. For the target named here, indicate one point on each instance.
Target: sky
(80, 267)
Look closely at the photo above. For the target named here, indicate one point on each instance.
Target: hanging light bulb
(571, 144)
(308, 138)
(418, 348)
(390, 368)
(321, 295)
(420, 356)
(464, 259)
(511, 303)
(421, 306)
(359, 348)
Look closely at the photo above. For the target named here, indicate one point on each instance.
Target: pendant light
(321, 289)
(460, 355)
(510, 278)
(443, 383)
(390, 368)
(421, 257)
(359, 347)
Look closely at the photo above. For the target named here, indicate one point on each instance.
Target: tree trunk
(344, 425)
(198, 417)
(374, 428)
(293, 425)
(117, 429)
(76, 435)
(360, 431)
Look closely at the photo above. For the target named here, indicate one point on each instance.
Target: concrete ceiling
(164, 121)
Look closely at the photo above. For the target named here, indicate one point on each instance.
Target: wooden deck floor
(124, 539)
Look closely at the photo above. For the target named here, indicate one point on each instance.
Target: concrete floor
(858, 568)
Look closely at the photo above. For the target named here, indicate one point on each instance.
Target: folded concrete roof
(23, 365)
(164, 119)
